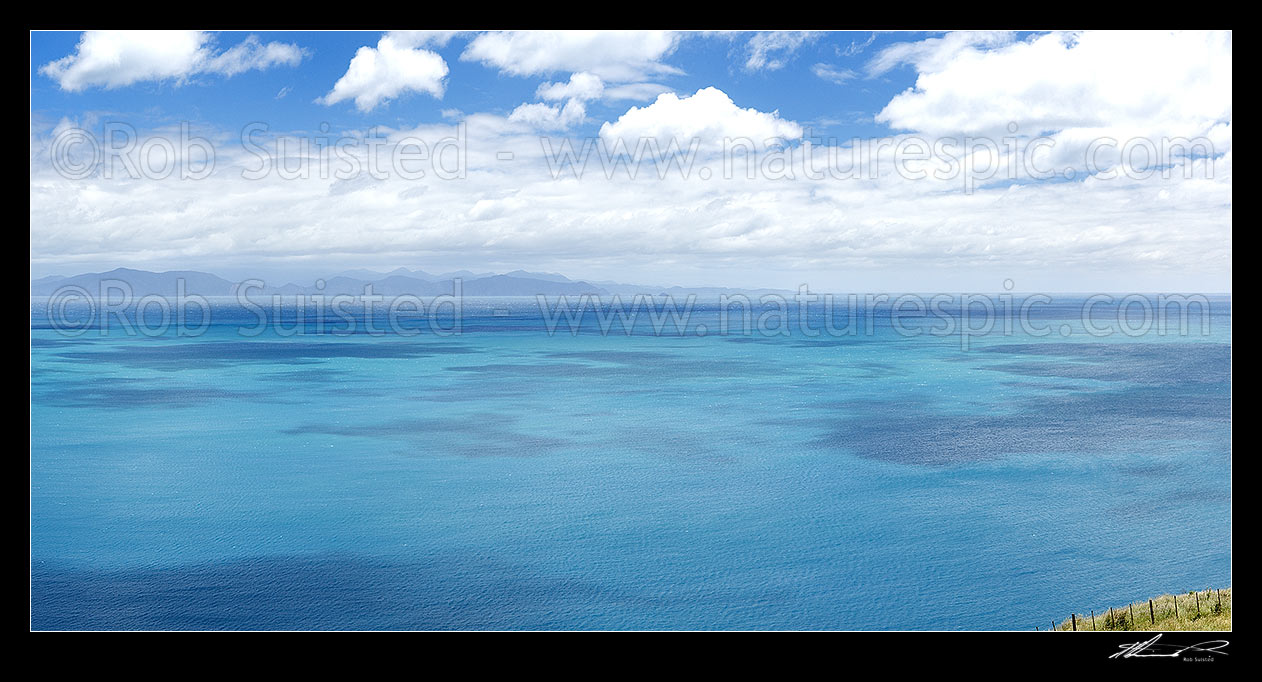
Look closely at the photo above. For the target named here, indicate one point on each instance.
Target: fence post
(1093, 620)
(1198, 603)
(1176, 606)
(1132, 608)
(1152, 613)
(1220, 599)
(1073, 621)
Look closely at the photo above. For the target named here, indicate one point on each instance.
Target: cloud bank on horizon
(846, 179)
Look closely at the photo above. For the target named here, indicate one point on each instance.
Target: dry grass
(1213, 613)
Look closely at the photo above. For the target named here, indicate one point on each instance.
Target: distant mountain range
(353, 282)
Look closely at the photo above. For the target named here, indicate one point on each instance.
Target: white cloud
(1081, 85)
(634, 92)
(771, 50)
(549, 117)
(423, 38)
(832, 73)
(709, 116)
(393, 68)
(582, 86)
(869, 232)
(570, 108)
(113, 59)
(617, 56)
(932, 53)
(595, 58)
(857, 47)
(252, 54)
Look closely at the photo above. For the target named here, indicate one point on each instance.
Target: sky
(848, 161)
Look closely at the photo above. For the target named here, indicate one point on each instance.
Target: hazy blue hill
(495, 285)
(657, 290)
(545, 276)
(416, 274)
(142, 282)
(716, 291)
(398, 282)
(463, 274)
(286, 290)
(47, 280)
(390, 285)
(503, 285)
(374, 276)
(398, 285)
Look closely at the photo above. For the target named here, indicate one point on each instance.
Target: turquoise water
(508, 478)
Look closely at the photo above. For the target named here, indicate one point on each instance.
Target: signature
(1151, 649)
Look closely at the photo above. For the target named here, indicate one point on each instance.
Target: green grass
(1214, 614)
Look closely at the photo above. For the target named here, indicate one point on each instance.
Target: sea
(492, 466)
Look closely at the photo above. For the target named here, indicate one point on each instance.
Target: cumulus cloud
(771, 50)
(873, 229)
(1079, 85)
(586, 87)
(113, 59)
(709, 116)
(617, 56)
(868, 230)
(393, 68)
(609, 65)
(550, 117)
(581, 86)
(570, 108)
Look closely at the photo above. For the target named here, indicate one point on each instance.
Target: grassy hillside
(1214, 613)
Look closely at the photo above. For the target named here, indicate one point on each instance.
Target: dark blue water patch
(467, 592)
(1153, 470)
(1089, 350)
(336, 378)
(1142, 363)
(414, 427)
(200, 355)
(120, 393)
(661, 368)
(1042, 386)
(335, 593)
(615, 356)
(1148, 419)
(500, 370)
(39, 342)
(831, 342)
(476, 435)
(462, 394)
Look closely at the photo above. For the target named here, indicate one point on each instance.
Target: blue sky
(839, 110)
(1111, 224)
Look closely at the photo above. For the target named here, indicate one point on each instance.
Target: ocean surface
(505, 477)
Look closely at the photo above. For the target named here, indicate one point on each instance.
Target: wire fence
(1208, 609)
